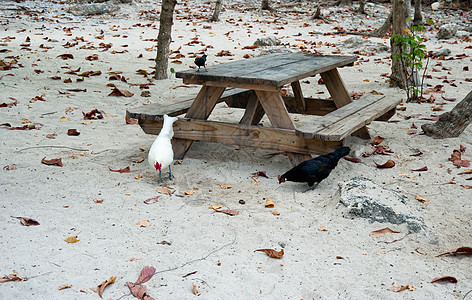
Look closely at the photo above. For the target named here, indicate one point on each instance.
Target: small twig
(40, 275)
(466, 294)
(188, 274)
(396, 240)
(49, 113)
(52, 147)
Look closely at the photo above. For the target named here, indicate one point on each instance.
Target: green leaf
(172, 70)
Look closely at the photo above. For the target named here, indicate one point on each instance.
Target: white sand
(60, 198)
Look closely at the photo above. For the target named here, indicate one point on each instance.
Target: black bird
(200, 62)
(315, 169)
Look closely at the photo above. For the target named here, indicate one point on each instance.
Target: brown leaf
(377, 140)
(13, 277)
(269, 203)
(65, 286)
(73, 132)
(468, 171)
(461, 148)
(92, 57)
(389, 164)
(382, 232)
(139, 160)
(10, 167)
(90, 73)
(102, 285)
(14, 103)
(260, 173)
(421, 199)
(97, 200)
(165, 190)
(66, 56)
(146, 273)
(93, 114)
(143, 223)
(27, 221)
(228, 211)
(129, 120)
(455, 156)
(189, 193)
(52, 162)
(117, 92)
(460, 250)
(195, 291)
(425, 168)
(352, 159)
(124, 170)
(402, 288)
(417, 154)
(444, 278)
(272, 253)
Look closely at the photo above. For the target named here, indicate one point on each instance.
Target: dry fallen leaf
(228, 211)
(322, 228)
(151, 200)
(139, 291)
(97, 200)
(72, 239)
(27, 221)
(382, 232)
(12, 277)
(165, 190)
(134, 258)
(389, 164)
(139, 160)
(272, 253)
(73, 132)
(9, 167)
(269, 203)
(139, 176)
(275, 213)
(102, 285)
(188, 193)
(124, 170)
(65, 286)
(402, 288)
(377, 140)
(460, 250)
(468, 171)
(195, 291)
(466, 186)
(129, 120)
(444, 278)
(215, 206)
(117, 92)
(421, 199)
(224, 186)
(52, 162)
(146, 273)
(143, 223)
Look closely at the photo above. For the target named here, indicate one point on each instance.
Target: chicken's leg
(170, 174)
(160, 179)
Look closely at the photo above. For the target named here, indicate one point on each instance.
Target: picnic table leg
(340, 95)
(299, 100)
(254, 111)
(274, 107)
(201, 108)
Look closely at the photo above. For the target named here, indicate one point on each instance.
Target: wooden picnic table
(254, 84)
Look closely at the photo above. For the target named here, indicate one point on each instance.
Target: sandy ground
(184, 235)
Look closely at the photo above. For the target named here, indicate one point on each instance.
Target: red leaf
(124, 170)
(444, 278)
(377, 140)
(10, 167)
(260, 173)
(460, 250)
(146, 273)
(425, 168)
(389, 164)
(139, 291)
(27, 221)
(417, 154)
(462, 148)
(228, 211)
(52, 162)
(449, 99)
(93, 114)
(151, 200)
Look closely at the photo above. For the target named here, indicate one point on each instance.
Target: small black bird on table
(200, 62)
(315, 169)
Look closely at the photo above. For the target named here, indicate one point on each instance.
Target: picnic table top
(275, 69)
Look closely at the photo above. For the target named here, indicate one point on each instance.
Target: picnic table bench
(254, 85)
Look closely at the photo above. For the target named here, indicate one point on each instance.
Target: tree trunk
(453, 123)
(398, 76)
(216, 12)
(361, 8)
(345, 2)
(418, 19)
(384, 28)
(164, 38)
(265, 5)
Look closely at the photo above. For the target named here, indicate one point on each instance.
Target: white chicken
(161, 154)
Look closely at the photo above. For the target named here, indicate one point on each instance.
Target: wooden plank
(299, 100)
(340, 95)
(178, 107)
(261, 86)
(243, 135)
(340, 123)
(201, 108)
(346, 126)
(271, 70)
(274, 107)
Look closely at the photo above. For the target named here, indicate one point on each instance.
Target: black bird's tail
(341, 152)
